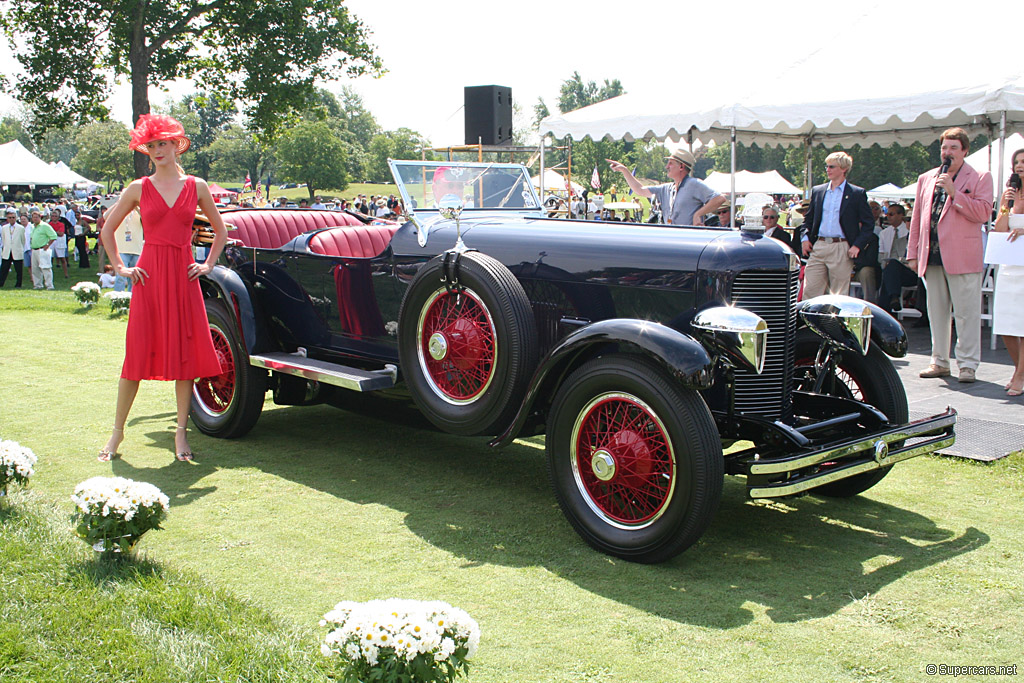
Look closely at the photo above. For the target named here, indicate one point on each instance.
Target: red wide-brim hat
(153, 127)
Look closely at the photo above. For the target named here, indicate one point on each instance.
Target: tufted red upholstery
(272, 228)
(362, 241)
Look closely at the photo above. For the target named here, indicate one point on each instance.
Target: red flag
(247, 187)
(595, 180)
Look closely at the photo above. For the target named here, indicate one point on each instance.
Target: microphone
(946, 163)
(1014, 183)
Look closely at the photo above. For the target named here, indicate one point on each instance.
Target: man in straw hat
(685, 200)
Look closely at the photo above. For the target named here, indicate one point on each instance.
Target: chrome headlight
(733, 333)
(840, 319)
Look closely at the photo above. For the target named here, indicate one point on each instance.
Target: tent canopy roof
(898, 119)
(18, 166)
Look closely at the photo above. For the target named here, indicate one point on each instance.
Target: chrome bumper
(768, 478)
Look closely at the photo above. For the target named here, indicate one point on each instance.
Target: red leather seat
(356, 241)
(273, 228)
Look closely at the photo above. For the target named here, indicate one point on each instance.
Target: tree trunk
(138, 58)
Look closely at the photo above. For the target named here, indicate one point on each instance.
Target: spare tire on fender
(467, 343)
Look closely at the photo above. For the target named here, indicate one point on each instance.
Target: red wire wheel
(215, 393)
(458, 346)
(228, 405)
(623, 460)
(467, 343)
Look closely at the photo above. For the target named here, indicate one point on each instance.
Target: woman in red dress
(168, 336)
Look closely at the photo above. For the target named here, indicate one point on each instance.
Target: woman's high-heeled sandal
(184, 456)
(108, 455)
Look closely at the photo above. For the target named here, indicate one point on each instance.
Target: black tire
(613, 490)
(227, 406)
(467, 352)
(869, 378)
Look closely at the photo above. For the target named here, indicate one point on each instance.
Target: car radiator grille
(771, 295)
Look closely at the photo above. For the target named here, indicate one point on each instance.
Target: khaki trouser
(829, 268)
(40, 276)
(957, 297)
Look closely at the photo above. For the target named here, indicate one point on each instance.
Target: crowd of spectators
(37, 234)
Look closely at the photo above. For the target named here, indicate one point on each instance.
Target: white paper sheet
(1002, 251)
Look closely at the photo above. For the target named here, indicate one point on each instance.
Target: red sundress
(168, 334)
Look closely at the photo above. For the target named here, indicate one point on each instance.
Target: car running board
(342, 376)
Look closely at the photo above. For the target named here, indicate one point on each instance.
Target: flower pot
(117, 550)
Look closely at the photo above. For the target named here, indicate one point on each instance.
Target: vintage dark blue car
(641, 352)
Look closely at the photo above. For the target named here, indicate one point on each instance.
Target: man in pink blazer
(945, 248)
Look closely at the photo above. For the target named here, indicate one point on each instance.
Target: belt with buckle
(832, 240)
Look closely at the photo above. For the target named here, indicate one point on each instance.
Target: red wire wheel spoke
(457, 345)
(623, 460)
(215, 393)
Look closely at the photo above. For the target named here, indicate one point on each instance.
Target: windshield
(423, 184)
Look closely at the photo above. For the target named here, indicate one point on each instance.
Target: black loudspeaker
(488, 115)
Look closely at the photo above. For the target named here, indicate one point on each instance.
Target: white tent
(555, 182)
(74, 179)
(900, 119)
(769, 182)
(891, 191)
(18, 166)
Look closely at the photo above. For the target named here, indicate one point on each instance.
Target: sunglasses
(771, 218)
(721, 211)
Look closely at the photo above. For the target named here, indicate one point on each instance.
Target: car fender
(681, 357)
(887, 332)
(227, 285)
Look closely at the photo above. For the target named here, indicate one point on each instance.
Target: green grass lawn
(317, 505)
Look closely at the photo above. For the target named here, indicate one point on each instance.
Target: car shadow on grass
(800, 558)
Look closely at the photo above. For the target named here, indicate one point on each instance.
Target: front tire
(228, 405)
(871, 379)
(635, 460)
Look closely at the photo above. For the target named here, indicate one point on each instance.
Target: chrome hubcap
(603, 465)
(437, 346)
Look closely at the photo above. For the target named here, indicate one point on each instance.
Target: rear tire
(228, 405)
(635, 460)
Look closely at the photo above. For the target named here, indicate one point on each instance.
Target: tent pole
(732, 175)
(1002, 154)
(808, 158)
(541, 176)
(689, 139)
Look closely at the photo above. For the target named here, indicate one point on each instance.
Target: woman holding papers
(1007, 312)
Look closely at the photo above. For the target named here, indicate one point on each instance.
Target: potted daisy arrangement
(87, 293)
(119, 301)
(17, 464)
(113, 513)
(399, 640)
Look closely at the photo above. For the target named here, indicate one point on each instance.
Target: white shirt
(892, 243)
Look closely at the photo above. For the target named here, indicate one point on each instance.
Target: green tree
(236, 152)
(395, 144)
(314, 154)
(59, 144)
(12, 128)
(265, 53)
(575, 94)
(203, 116)
(103, 151)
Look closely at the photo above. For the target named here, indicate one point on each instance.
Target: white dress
(1008, 309)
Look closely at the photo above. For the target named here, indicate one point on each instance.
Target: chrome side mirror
(734, 334)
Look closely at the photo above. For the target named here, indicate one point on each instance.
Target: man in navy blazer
(838, 225)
